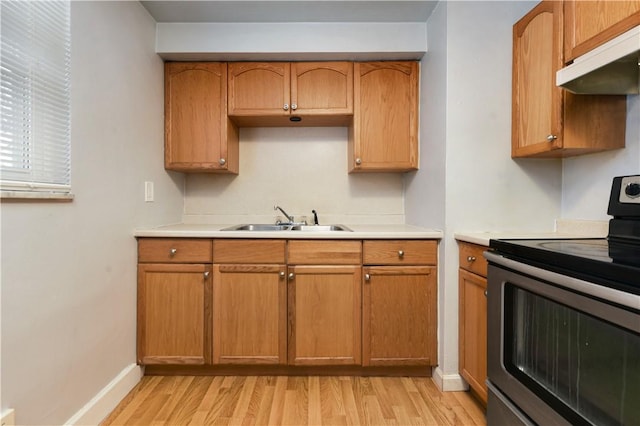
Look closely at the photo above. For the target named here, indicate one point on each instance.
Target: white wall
(68, 269)
(586, 180)
(469, 61)
(299, 169)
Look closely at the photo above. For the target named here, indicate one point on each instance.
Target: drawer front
(471, 258)
(174, 250)
(400, 252)
(327, 252)
(249, 251)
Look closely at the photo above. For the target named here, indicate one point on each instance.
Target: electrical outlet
(9, 417)
(148, 192)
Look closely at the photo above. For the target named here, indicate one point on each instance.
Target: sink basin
(320, 228)
(258, 227)
(299, 228)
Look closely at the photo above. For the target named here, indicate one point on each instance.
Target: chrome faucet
(289, 218)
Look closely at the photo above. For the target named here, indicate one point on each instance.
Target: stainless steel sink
(321, 228)
(299, 228)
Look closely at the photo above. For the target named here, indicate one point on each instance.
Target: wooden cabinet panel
(588, 24)
(400, 252)
(471, 258)
(548, 121)
(249, 251)
(271, 93)
(399, 316)
(174, 314)
(327, 252)
(325, 315)
(199, 137)
(473, 332)
(174, 250)
(384, 133)
(249, 325)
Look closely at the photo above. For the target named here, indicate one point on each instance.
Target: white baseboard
(99, 407)
(449, 382)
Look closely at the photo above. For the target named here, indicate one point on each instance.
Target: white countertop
(184, 230)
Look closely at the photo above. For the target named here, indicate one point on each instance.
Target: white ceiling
(290, 10)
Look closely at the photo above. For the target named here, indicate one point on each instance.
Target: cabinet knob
(222, 161)
(172, 252)
(285, 107)
(294, 106)
(206, 274)
(367, 277)
(400, 254)
(485, 293)
(358, 161)
(291, 275)
(552, 138)
(471, 258)
(282, 274)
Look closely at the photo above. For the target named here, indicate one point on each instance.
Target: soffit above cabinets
(290, 11)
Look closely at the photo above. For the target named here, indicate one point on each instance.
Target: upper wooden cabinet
(299, 93)
(384, 133)
(199, 137)
(548, 121)
(588, 24)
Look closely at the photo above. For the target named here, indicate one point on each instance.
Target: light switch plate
(148, 192)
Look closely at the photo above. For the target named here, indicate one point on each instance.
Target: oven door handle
(612, 295)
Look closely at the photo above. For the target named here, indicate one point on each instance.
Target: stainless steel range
(564, 324)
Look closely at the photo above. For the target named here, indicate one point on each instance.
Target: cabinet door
(324, 315)
(473, 331)
(259, 89)
(174, 314)
(588, 24)
(399, 316)
(249, 325)
(198, 134)
(384, 134)
(322, 88)
(537, 102)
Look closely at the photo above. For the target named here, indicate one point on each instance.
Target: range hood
(610, 69)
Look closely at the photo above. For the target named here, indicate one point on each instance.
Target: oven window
(586, 368)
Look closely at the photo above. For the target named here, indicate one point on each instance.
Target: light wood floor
(268, 400)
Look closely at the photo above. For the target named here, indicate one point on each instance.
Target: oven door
(561, 350)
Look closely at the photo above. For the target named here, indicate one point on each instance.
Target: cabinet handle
(485, 293)
(358, 161)
(471, 259)
(222, 161)
(367, 277)
(172, 252)
(282, 274)
(206, 274)
(552, 138)
(291, 275)
(400, 254)
(294, 106)
(285, 107)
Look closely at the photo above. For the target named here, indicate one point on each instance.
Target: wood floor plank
(312, 400)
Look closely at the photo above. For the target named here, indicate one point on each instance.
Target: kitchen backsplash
(299, 169)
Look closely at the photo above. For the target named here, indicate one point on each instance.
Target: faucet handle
(315, 217)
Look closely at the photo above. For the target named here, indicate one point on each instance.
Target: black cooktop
(595, 260)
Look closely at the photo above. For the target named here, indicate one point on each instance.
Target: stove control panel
(630, 190)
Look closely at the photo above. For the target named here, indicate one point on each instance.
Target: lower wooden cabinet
(324, 315)
(472, 321)
(399, 316)
(249, 325)
(174, 314)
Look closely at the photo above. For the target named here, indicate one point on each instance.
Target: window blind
(35, 62)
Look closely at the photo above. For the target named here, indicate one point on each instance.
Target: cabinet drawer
(400, 252)
(313, 252)
(174, 250)
(471, 258)
(248, 251)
